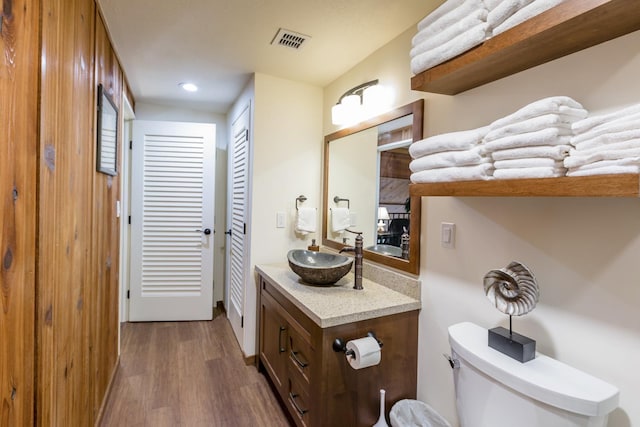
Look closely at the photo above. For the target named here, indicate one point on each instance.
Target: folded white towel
(575, 160)
(623, 145)
(607, 170)
(492, 4)
(557, 152)
(608, 138)
(454, 47)
(306, 220)
(452, 141)
(541, 172)
(627, 161)
(428, 40)
(461, 173)
(504, 10)
(532, 9)
(448, 159)
(590, 122)
(537, 162)
(340, 219)
(629, 122)
(448, 11)
(530, 125)
(555, 104)
(550, 136)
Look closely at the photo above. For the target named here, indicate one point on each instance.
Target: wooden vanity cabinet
(315, 384)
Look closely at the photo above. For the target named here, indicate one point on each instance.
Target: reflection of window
(107, 159)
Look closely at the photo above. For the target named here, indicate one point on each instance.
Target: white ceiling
(217, 44)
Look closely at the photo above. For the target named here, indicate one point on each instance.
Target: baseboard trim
(107, 394)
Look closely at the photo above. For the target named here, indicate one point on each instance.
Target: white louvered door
(172, 207)
(237, 250)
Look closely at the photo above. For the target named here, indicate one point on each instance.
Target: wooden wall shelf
(627, 185)
(567, 28)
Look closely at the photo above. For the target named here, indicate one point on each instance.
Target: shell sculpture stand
(514, 291)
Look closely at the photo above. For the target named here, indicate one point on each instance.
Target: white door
(172, 221)
(237, 202)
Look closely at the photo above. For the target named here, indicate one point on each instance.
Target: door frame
(125, 209)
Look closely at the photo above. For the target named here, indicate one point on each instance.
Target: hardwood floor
(188, 374)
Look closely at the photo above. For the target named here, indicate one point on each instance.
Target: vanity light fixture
(189, 87)
(383, 214)
(360, 103)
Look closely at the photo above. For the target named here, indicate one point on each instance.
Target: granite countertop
(337, 304)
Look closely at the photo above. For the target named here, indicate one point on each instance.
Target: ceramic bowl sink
(318, 268)
(386, 250)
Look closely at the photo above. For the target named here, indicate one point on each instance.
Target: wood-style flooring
(188, 374)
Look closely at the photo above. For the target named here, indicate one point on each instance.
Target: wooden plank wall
(19, 39)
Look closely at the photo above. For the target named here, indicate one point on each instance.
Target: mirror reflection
(367, 187)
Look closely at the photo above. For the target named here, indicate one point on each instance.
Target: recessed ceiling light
(189, 87)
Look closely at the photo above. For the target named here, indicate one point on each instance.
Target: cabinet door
(273, 340)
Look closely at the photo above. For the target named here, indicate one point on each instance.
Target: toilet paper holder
(340, 345)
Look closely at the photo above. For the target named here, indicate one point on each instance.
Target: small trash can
(414, 413)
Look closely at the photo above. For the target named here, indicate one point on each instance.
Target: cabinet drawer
(298, 399)
(300, 355)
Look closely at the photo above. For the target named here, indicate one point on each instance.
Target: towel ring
(301, 198)
(337, 200)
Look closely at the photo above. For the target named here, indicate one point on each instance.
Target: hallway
(188, 374)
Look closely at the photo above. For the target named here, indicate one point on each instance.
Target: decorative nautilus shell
(513, 289)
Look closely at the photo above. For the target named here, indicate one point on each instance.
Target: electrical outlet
(448, 235)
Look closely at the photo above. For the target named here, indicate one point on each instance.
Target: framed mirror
(366, 188)
(107, 152)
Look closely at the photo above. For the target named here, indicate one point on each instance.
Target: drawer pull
(281, 349)
(295, 405)
(294, 356)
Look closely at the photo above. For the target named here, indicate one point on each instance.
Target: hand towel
(461, 173)
(454, 47)
(504, 10)
(607, 170)
(426, 40)
(340, 219)
(492, 4)
(528, 163)
(615, 146)
(621, 124)
(550, 136)
(306, 220)
(452, 141)
(554, 104)
(557, 152)
(542, 172)
(627, 161)
(453, 8)
(532, 9)
(448, 159)
(590, 122)
(530, 125)
(608, 139)
(575, 160)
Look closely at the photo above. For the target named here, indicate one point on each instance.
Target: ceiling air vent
(288, 38)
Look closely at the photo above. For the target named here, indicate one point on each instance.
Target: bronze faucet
(357, 250)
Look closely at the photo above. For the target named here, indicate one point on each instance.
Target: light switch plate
(280, 220)
(448, 235)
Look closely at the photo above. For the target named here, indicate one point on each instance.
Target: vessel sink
(386, 250)
(318, 268)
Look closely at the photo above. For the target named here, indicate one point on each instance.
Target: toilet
(495, 390)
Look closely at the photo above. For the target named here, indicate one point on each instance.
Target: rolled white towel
(340, 219)
(454, 8)
(532, 9)
(537, 162)
(629, 122)
(503, 10)
(564, 105)
(448, 159)
(557, 152)
(608, 170)
(576, 160)
(429, 40)
(590, 122)
(454, 47)
(520, 173)
(306, 220)
(452, 141)
(530, 125)
(549, 136)
(460, 173)
(608, 139)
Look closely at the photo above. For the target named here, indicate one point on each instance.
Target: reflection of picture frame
(107, 153)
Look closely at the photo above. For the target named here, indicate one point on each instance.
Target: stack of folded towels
(455, 156)
(453, 28)
(533, 141)
(506, 14)
(606, 144)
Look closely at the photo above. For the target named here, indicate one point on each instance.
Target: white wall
(146, 111)
(583, 251)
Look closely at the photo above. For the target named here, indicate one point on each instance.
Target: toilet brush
(382, 422)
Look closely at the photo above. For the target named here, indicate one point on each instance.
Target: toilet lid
(543, 378)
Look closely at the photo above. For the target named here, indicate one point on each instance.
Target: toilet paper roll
(366, 352)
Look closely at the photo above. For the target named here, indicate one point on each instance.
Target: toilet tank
(495, 390)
